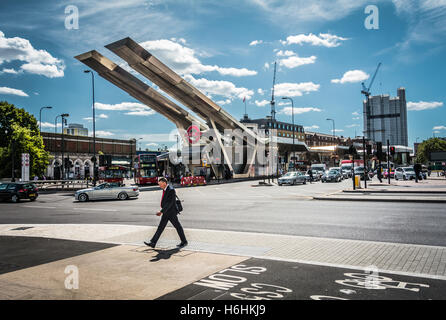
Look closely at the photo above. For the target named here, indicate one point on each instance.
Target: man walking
(379, 172)
(417, 169)
(168, 212)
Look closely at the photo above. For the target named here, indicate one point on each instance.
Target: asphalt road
(285, 210)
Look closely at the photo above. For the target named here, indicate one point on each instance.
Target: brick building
(79, 151)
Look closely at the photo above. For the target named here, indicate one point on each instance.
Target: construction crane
(366, 91)
(273, 103)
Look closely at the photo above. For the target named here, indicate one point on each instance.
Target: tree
(19, 134)
(428, 146)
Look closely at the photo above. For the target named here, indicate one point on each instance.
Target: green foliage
(19, 132)
(428, 146)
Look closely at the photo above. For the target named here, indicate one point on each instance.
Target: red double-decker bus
(146, 169)
(114, 173)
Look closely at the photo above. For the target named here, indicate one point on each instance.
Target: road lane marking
(39, 207)
(91, 209)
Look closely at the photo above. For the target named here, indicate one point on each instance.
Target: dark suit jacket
(168, 204)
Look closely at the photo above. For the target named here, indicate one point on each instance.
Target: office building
(385, 118)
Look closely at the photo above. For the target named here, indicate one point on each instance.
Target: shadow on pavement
(164, 254)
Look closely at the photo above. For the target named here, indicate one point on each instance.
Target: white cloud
(256, 42)
(299, 13)
(353, 125)
(224, 102)
(286, 53)
(37, 61)
(289, 110)
(152, 144)
(356, 113)
(9, 71)
(183, 60)
(222, 88)
(295, 89)
(356, 118)
(313, 127)
(266, 66)
(338, 130)
(352, 76)
(104, 133)
(101, 116)
(16, 92)
(324, 39)
(439, 128)
(262, 103)
(422, 105)
(260, 91)
(50, 71)
(296, 61)
(132, 108)
(49, 125)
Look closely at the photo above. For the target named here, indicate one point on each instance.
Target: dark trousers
(173, 218)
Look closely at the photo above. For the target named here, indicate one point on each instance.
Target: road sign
(25, 166)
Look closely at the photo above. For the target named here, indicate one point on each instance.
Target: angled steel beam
(138, 89)
(170, 82)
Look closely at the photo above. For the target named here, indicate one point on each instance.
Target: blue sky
(227, 49)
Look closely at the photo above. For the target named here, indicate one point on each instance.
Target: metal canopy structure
(212, 115)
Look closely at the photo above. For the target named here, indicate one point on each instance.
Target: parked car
(107, 191)
(292, 178)
(405, 173)
(16, 191)
(360, 171)
(332, 175)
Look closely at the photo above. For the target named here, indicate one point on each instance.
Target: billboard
(437, 156)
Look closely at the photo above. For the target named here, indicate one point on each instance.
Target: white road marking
(90, 209)
(39, 207)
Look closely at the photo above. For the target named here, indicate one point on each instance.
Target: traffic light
(392, 151)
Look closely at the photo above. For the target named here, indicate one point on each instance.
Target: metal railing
(62, 184)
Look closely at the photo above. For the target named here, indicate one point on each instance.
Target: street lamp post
(94, 130)
(334, 138)
(55, 143)
(292, 117)
(138, 142)
(40, 117)
(63, 116)
(12, 156)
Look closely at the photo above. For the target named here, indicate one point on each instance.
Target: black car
(16, 191)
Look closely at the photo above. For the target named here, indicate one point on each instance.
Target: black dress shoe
(150, 244)
(182, 244)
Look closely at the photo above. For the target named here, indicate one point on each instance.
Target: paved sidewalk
(406, 259)
(432, 190)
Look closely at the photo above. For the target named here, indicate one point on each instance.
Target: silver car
(106, 191)
(292, 178)
(406, 173)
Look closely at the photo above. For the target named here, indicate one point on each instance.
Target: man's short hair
(162, 179)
